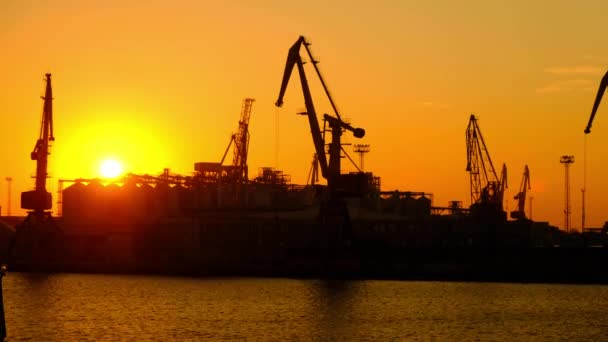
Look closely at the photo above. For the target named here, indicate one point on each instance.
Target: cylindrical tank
(134, 202)
(95, 202)
(150, 200)
(161, 199)
(185, 199)
(113, 203)
(423, 207)
(173, 200)
(408, 206)
(73, 202)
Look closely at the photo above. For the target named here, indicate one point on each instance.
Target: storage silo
(423, 207)
(73, 201)
(408, 206)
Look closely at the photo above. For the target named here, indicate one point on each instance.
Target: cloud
(589, 56)
(566, 86)
(575, 70)
(433, 104)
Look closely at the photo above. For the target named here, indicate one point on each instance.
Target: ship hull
(301, 245)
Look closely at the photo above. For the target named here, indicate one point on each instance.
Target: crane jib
(330, 169)
(598, 99)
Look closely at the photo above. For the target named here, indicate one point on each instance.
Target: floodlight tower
(362, 150)
(9, 180)
(567, 160)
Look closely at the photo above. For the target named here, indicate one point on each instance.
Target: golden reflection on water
(66, 307)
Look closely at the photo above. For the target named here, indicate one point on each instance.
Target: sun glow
(110, 168)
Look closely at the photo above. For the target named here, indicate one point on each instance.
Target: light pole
(361, 149)
(567, 160)
(9, 180)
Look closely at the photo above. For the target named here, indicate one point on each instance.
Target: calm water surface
(70, 307)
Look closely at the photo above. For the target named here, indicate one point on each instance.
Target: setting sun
(110, 168)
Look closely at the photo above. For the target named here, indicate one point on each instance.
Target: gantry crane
(329, 170)
(487, 189)
(520, 213)
(38, 201)
(598, 99)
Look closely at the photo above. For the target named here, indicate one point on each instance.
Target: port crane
(487, 189)
(241, 142)
(238, 171)
(598, 99)
(32, 236)
(38, 201)
(502, 183)
(313, 172)
(520, 213)
(330, 170)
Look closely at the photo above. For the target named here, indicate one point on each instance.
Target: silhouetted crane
(39, 200)
(486, 188)
(503, 184)
(238, 171)
(520, 213)
(313, 172)
(33, 242)
(241, 141)
(329, 170)
(598, 99)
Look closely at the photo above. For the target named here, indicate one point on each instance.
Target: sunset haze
(159, 84)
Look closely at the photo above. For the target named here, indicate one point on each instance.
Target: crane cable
(276, 137)
(584, 190)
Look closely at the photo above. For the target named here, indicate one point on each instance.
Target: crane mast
(337, 126)
(39, 199)
(241, 140)
(329, 170)
(598, 99)
(313, 173)
(479, 164)
(486, 188)
(503, 184)
(520, 213)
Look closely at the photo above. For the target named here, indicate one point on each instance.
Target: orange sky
(159, 84)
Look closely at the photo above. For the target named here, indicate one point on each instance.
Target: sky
(159, 84)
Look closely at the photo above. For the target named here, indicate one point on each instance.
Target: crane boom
(314, 64)
(294, 58)
(598, 99)
(329, 170)
(479, 164)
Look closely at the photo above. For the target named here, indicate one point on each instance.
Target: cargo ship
(220, 221)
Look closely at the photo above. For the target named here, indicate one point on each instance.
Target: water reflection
(334, 301)
(70, 307)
